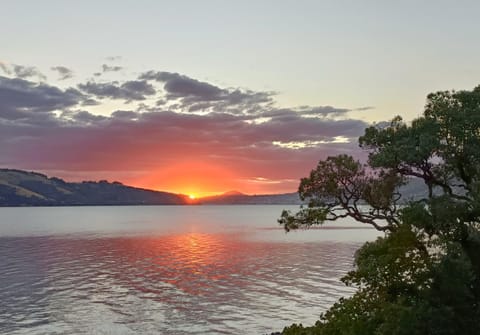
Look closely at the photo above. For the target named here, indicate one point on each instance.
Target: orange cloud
(196, 139)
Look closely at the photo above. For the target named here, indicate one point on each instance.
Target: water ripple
(193, 283)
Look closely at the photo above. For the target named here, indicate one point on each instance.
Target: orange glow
(197, 179)
(191, 178)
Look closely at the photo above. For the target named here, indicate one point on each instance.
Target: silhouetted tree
(423, 275)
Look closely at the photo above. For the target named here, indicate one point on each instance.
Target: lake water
(167, 269)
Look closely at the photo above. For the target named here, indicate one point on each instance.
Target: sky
(205, 97)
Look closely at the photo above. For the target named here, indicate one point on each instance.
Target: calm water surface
(167, 270)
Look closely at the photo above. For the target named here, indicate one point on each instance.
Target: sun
(192, 197)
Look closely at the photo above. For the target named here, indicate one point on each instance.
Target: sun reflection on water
(212, 283)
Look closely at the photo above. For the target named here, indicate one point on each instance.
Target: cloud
(261, 180)
(21, 71)
(366, 108)
(64, 72)
(195, 95)
(4, 68)
(111, 68)
(19, 96)
(126, 115)
(113, 58)
(130, 90)
(145, 140)
(178, 86)
(83, 118)
(306, 111)
(45, 127)
(24, 72)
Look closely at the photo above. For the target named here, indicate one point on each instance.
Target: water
(167, 270)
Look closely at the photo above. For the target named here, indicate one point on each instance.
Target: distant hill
(22, 188)
(415, 189)
(229, 193)
(237, 198)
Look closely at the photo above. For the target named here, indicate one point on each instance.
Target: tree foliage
(423, 275)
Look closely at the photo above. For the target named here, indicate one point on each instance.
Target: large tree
(423, 275)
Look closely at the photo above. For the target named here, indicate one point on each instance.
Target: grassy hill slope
(22, 188)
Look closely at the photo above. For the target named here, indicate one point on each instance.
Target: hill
(22, 188)
(414, 189)
(237, 198)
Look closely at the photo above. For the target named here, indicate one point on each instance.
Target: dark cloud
(130, 90)
(195, 95)
(44, 127)
(179, 86)
(306, 111)
(127, 115)
(19, 96)
(90, 102)
(88, 118)
(24, 72)
(298, 129)
(366, 108)
(79, 118)
(171, 136)
(64, 72)
(111, 68)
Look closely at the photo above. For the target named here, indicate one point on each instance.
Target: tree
(423, 275)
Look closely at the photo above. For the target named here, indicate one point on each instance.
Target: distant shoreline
(20, 188)
(146, 205)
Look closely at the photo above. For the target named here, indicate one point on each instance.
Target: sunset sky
(204, 97)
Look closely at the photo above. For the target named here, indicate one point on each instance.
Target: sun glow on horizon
(192, 178)
(196, 179)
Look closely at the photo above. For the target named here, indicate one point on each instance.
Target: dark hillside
(22, 188)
